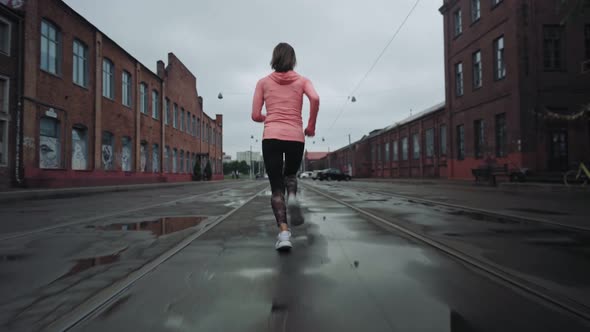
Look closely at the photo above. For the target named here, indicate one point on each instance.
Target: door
(558, 150)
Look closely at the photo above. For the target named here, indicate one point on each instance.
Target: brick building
(517, 92)
(313, 161)
(516, 84)
(93, 114)
(10, 89)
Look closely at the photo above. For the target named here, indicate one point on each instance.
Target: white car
(305, 175)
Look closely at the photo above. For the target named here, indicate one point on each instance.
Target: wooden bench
(489, 173)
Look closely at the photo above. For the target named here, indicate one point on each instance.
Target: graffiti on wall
(143, 157)
(79, 150)
(155, 160)
(126, 158)
(49, 152)
(107, 156)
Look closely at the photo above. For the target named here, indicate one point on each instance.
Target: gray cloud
(227, 44)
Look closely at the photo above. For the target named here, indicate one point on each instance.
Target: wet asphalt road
(344, 274)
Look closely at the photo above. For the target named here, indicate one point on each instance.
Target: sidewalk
(509, 186)
(32, 194)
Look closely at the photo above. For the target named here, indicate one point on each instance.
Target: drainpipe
(19, 114)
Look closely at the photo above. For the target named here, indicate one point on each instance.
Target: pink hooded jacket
(282, 93)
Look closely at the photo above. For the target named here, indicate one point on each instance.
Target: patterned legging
(282, 174)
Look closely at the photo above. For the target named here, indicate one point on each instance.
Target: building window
(49, 143)
(126, 154)
(5, 36)
(80, 63)
(108, 142)
(199, 128)
(395, 151)
(587, 40)
(501, 137)
(175, 118)
(127, 91)
(166, 166)
(108, 79)
(387, 152)
(430, 143)
(182, 125)
(416, 146)
(143, 157)
(443, 140)
(175, 161)
(3, 142)
(499, 64)
(50, 48)
(458, 22)
(181, 162)
(167, 112)
(553, 47)
(155, 105)
(378, 152)
(143, 98)
(479, 137)
(405, 153)
(194, 124)
(460, 142)
(156, 158)
(4, 115)
(459, 79)
(496, 2)
(477, 70)
(475, 10)
(188, 123)
(79, 148)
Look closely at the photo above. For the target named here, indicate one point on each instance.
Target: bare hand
(309, 132)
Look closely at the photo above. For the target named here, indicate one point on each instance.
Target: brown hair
(283, 58)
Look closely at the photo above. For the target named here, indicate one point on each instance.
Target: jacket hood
(285, 78)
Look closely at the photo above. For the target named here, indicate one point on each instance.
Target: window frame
(58, 136)
(474, 18)
(458, 22)
(110, 79)
(459, 80)
(429, 142)
(129, 140)
(460, 142)
(143, 98)
(499, 59)
(443, 140)
(155, 104)
(501, 137)
(112, 144)
(479, 139)
(76, 58)
(561, 49)
(167, 111)
(416, 146)
(477, 60)
(127, 82)
(175, 117)
(405, 148)
(83, 129)
(58, 51)
(8, 45)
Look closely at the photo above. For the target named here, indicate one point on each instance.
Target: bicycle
(579, 176)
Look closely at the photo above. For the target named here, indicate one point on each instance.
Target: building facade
(248, 156)
(92, 114)
(517, 77)
(10, 90)
(516, 85)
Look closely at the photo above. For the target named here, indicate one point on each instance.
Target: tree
(243, 167)
(197, 171)
(207, 174)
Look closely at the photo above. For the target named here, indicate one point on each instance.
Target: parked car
(305, 175)
(315, 175)
(333, 174)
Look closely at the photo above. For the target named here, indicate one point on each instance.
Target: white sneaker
(294, 210)
(284, 241)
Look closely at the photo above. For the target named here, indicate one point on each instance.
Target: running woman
(284, 138)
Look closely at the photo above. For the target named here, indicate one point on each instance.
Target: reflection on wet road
(344, 274)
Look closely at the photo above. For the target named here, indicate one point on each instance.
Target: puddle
(12, 258)
(159, 227)
(87, 263)
(539, 211)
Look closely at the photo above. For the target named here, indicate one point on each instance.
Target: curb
(38, 194)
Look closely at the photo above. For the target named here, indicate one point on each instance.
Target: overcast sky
(227, 44)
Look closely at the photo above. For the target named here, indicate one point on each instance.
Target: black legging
(282, 175)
